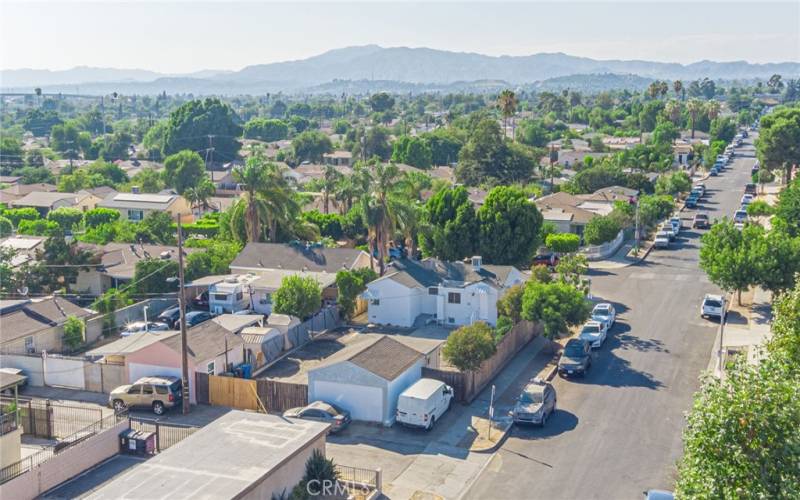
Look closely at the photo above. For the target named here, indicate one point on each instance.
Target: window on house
(221, 297)
(451, 320)
(29, 347)
(453, 298)
(375, 302)
(265, 299)
(210, 368)
(239, 296)
(433, 290)
(135, 215)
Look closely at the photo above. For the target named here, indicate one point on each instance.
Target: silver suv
(156, 393)
(536, 403)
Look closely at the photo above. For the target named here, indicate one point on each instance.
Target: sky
(182, 36)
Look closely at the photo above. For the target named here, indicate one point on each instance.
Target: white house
(453, 293)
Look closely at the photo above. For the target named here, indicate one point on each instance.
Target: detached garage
(367, 377)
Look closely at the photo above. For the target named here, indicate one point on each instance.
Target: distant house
(569, 158)
(118, 264)
(564, 211)
(452, 293)
(24, 248)
(338, 158)
(135, 206)
(683, 153)
(9, 180)
(259, 257)
(602, 201)
(17, 191)
(310, 171)
(31, 326)
(367, 376)
(44, 202)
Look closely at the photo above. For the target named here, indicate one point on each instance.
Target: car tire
(544, 419)
(119, 405)
(158, 408)
(430, 424)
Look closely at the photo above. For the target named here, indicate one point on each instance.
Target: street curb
(495, 446)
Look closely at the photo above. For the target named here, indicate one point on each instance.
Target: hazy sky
(174, 37)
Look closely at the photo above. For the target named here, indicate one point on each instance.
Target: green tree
(452, 224)
(190, 126)
(509, 226)
(381, 102)
(98, 216)
(311, 145)
(510, 304)
(183, 170)
(115, 146)
(266, 129)
(148, 180)
(74, 329)
(67, 218)
(787, 209)
(66, 139)
(507, 103)
(153, 276)
(728, 258)
(777, 260)
(297, 296)
(487, 157)
(215, 259)
(563, 242)
(199, 195)
(6, 228)
(469, 346)
(778, 144)
(722, 129)
(674, 183)
(759, 208)
(158, 228)
(653, 208)
(444, 145)
(349, 285)
(601, 229)
(15, 215)
(556, 305)
(412, 151)
(38, 227)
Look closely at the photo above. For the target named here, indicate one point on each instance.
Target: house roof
(271, 280)
(131, 343)
(119, 259)
(8, 380)
(433, 272)
(338, 154)
(205, 341)
(227, 458)
(31, 317)
(142, 201)
(45, 199)
(22, 242)
(295, 257)
(386, 358)
(259, 334)
(235, 322)
(555, 206)
(100, 191)
(23, 189)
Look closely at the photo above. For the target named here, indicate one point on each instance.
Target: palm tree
(677, 86)
(329, 181)
(712, 109)
(345, 191)
(507, 102)
(200, 195)
(694, 107)
(674, 110)
(663, 88)
(381, 206)
(653, 89)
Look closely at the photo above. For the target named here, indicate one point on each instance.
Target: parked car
(750, 189)
(422, 404)
(322, 412)
(594, 332)
(662, 240)
(691, 201)
(740, 216)
(677, 225)
(696, 192)
(713, 306)
(201, 301)
(576, 358)
(142, 326)
(739, 225)
(667, 229)
(196, 317)
(536, 403)
(747, 199)
(713, 172)
(550, 260)
(605, 313)
(701, 186)
(159, 393)
(700, 221)
(170, 316)
(658, 495)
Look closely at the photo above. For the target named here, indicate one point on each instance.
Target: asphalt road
(618, 431)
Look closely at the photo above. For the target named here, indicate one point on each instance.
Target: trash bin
(247, 370)
(146, 443)
(127, 441)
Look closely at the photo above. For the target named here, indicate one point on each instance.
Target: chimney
(135, 189)
(476, 263)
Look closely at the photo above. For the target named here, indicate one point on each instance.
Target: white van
(423, 403)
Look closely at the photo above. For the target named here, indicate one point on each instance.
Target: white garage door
(139, 370)
(363, 402)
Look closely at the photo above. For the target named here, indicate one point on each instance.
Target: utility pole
(637, 235)
(182, 305)
(210, 152)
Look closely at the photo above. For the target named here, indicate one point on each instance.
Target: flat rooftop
(220, 460)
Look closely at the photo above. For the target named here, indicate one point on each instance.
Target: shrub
(15, 215)
(66, 217)
(600, 230)
(758, 208)
(73, 332)
(98, 216)
(469, 346)
(39, 227)
(6, 227)
(504, 325)
(297, 296)
(563, 242)
(556, 305)
(350, 284)
(510, 304)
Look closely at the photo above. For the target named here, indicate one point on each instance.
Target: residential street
(618, 432)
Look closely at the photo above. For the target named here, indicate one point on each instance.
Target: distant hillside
(594, 83)
(415, 68)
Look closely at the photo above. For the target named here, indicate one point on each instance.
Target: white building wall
(396, 304)
(397, 386)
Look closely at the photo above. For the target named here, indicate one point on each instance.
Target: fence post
(48, 415)
(379, 480)
(158, 437)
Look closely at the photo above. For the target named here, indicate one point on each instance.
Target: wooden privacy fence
(237, 393)
(467, 386)
(280, 396)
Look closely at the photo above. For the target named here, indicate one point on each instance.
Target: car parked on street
(700, 221)
(662, 240)
(550, 260)
(713, 172)
(668, 229)
(713, 306)
(747, 199)
(750, 189)
(677, 225)
(691, 201)
(143, 326)
(740, 216)
(196, 317)
(536, 403)
(594, 332)
(158, 393)
(605, 313)
(576, 358)
(321, 411)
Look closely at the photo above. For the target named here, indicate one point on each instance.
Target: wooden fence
(467, 386)
(236, 393)
(280, 396)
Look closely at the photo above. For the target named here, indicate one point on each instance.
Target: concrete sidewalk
(446, 468)
(746, 330)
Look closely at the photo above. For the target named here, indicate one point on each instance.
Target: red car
(549, 260)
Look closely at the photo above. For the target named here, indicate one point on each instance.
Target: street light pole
(182, 306)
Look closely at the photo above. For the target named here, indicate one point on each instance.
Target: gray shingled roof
(295, 257)
(29, 318)
(205, 341)
(431, 272)
(386, 358)
(45, 199)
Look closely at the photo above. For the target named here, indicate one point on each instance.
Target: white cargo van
(423, 403)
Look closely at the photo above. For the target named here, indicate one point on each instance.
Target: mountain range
(423, 68)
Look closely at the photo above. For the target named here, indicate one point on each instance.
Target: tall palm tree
(694, 107)
(674, 110)
(200, 195)
(653, 89)
(345, 191)
(381, 205)
(677, 86)
(329, 181)
(507, 102)
(712, 109)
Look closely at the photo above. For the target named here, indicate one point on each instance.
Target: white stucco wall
(397, 386)
(399, 305)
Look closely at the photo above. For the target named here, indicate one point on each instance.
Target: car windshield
(590, 329)
(574, 349)
(328, 409)
(531, 397)
(602, 313)
(713, 303)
